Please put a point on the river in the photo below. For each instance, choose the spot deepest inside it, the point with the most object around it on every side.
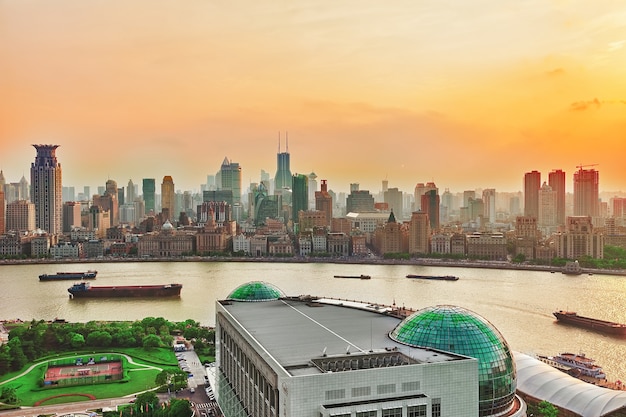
(518, 303)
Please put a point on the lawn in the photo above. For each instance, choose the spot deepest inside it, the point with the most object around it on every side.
(140, 378)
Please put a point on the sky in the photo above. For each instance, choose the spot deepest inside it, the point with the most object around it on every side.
(468, 94)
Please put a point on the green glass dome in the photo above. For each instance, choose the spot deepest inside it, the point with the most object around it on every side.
(256, 291)
(457, 330)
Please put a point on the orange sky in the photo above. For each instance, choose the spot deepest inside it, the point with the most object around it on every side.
(465, 94)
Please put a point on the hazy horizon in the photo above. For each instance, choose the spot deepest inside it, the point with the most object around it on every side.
(470, 95)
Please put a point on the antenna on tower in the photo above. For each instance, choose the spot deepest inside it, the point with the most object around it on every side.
(279, 142)
(287, 141)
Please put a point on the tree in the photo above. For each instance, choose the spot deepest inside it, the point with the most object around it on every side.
(9, 395)
(77, 340)
(19, 359)
(99, 338)
(180, 408)
(547, 409)
(151, 341)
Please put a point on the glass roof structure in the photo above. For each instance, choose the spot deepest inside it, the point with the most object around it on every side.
(455, 329)
(256, 291)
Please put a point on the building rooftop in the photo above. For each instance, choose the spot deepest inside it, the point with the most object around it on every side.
(307, 336)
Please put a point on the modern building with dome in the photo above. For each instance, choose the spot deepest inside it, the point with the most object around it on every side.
(305, 356)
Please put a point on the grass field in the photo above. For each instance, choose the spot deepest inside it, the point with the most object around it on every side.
(141, 378)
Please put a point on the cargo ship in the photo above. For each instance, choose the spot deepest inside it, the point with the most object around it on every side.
(570, 317)
(68, 275)
(85, 290)
(354, 276)
(439, 277)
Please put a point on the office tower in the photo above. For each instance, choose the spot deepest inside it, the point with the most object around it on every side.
(586, 192)
(420, 190)
(359, 201)
(532, 183)
(282, 179)
(130, 192)
(547, 209)
(121, 198)
(467, 196)
(101, 190)
(556, 180)
(354, 186)
(618, 208)
(430, 205)
(69, 194)
(148, 190)
(46, 189)
(312, 189)
(20, 216)
(111, 192)
(419, 232)
(324, 202)
(210, 183)
(385, 185)
(87, 192)
(393, 197)
(489, 205)
(168, 196)
(300, 195)
(71, 216)
(230, 174)
(2, 215)
(3, 181)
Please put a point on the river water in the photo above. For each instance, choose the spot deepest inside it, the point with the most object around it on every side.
(518, 303)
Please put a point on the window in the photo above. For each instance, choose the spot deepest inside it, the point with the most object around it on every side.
(370, 413)
(392, 412)
(416, 411)
(436, 407)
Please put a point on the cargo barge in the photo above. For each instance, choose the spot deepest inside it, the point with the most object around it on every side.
(570, 317)
(354, 276)
(437, 277)
(85, 290)
(68, 275)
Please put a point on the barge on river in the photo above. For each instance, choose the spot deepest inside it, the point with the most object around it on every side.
(436, 277)
(85, 290)
(68, 275)
(354, 276)
(604, 326)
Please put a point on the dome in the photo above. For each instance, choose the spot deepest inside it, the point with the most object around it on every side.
(256, 291)
(167, 226)
(461, 331)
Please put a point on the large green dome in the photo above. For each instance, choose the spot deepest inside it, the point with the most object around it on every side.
(455, 329)
(256, 291)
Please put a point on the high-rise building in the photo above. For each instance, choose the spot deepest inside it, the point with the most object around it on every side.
(312, 189)
(87, 192)
(282, 179)
(148, 190)
(111, 191)
(20, 216)
(467, 196)
(420, 190)
(47, 189)
(419, 232)
(300, 195)
(430, 205)
(556, 180)
(586, 192)
(547, 209)
(359, 201)
(393, 197)
(532, 183)
(168, 195)
(2, 215)
(71, 216)
(489, 204)
(324, 202)
(130, 192)
(230, 179)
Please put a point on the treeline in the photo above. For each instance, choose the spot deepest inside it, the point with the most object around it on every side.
(36, 339)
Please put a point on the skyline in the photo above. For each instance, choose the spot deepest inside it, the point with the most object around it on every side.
(470, 96)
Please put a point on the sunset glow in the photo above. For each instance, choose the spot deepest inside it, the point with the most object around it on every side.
(465, 94)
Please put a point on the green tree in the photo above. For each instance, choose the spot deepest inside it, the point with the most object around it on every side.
(180, 408)
(77, 340)
(99, 338)
(547, 409)
(151, 341)
(9, 395)
(19, 359)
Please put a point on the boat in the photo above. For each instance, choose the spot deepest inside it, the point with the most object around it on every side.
(86, 290)
(572, 268)
(354, 276)
(68, 275)
(578, 365)
(570, 317)
(438, 277)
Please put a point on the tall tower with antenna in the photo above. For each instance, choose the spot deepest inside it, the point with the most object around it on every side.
(282, 179)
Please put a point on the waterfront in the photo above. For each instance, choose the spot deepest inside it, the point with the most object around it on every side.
(518, 303)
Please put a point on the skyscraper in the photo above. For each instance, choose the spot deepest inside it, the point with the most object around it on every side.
(130, 192)
(430, 205)
(230, 174)
(489, 204)
(556, 180)
(393, 197)
(148, 190)
(586, 192)
(47, 189)
(300, 195)
(2, 215)
(324, 202)
(71, 216)
(168, 197)
(282, 179)
(547, 209)
(532, 183)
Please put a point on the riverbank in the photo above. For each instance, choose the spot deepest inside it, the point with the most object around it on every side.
(344, 260)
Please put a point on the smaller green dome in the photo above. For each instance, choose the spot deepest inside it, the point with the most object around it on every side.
(256, 291)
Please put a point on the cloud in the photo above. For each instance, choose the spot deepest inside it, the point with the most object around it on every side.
(593, 104)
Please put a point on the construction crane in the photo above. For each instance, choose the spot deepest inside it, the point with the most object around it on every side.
(581, 166)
